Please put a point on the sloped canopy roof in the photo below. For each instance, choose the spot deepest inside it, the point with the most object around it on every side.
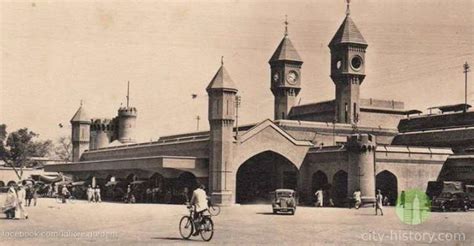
(285, 52)
(81, 116)
(347, 33)
(221, 80)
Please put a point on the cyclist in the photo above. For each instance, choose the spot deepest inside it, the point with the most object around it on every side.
(199, 200)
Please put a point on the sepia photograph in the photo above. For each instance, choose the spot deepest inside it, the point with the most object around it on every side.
(236, 122)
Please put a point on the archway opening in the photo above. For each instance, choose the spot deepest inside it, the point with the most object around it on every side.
(339, 190)
(387, 183)
(262, 174)
(2, 184)
(319, 180)
(11, 183)
(183, 188)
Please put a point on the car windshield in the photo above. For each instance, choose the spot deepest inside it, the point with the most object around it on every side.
(284, 194)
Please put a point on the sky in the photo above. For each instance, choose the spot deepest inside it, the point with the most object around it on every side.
(56, 53)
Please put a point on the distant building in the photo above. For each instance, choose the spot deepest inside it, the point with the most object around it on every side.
(340, 145)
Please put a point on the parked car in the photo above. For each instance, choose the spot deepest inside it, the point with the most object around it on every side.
(284, 200)
(449, 201)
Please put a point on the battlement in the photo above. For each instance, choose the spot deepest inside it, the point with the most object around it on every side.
(127, 111)
(361, 142)
(102, 125)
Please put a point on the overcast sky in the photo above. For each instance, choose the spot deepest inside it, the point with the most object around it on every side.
(56, 53)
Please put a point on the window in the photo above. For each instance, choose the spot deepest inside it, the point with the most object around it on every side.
(345, 112)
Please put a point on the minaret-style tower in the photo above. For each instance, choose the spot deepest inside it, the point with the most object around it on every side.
(80, 133)
(285, 77)
(347, 69)
(221, 115)
(127, 117)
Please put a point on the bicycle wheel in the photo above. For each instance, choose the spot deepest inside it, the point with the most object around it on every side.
(207, 230)
(214, 210)
(186, 227)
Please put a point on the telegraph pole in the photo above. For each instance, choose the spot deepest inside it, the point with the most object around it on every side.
(466, 70)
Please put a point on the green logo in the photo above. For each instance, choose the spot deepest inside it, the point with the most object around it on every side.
(413, 207)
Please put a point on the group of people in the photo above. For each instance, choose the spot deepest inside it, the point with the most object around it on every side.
(16, 201)
(93, 194)
(380, 200)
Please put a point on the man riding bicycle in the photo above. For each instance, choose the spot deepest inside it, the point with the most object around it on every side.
(199, 200)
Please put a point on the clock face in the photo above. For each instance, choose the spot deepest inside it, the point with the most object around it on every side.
(356, 62)
(292, 77)
(276, 77)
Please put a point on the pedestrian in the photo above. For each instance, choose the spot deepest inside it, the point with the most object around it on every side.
(148, 195)
(357, 198)
(97, 194)
(319, 198)
(35, 195)
(10, 203)
(20, 211)
(378, 203)
(29, 195)
(402, 199)
(90, 193)
(65, 193)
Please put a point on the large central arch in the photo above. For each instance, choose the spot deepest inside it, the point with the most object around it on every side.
(262, 174)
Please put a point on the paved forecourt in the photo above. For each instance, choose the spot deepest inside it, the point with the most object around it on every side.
(82, 223)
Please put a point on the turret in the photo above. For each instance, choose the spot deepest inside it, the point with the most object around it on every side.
(361, 175)
(221, 115)
(127, 117)
(347, 69)
(285, 76)
(80, 135)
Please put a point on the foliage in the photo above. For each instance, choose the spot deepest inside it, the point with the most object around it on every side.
(63, 149)
(19, 147)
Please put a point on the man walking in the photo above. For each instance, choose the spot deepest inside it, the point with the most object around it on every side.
(319, 198)
(378, 203)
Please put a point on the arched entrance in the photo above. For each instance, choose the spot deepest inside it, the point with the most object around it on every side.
(387, 183)
(2, 184)
(319, 181)
(262, 174)
(339, 188)
(11, 183)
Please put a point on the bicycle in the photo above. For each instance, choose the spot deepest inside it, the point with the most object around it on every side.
(189, 227)
(214, 210)
(70, 199)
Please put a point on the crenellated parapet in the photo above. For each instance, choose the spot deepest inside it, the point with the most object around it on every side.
(361, 143)
(127, 112)
(102, 133)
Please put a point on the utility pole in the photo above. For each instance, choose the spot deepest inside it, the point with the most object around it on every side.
(128, 94)
(237, 106)
(466, 70)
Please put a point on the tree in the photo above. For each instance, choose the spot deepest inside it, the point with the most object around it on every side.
(19, 147)
(63, 149)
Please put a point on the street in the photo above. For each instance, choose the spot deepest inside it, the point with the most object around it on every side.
(51, 223)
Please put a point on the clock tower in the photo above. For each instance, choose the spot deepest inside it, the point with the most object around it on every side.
(285, 76)
(347, 69)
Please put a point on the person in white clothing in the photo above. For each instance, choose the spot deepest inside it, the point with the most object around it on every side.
(199, 199)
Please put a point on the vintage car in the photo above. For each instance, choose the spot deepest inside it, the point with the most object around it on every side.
(284, 200)
(451, 201)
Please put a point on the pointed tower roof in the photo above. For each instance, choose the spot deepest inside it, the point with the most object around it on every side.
(221, 80)
(80, 116)
(285, 51)
(347, 33)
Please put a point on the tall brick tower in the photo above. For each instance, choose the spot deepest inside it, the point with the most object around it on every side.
(80, 136)
(221, 115)
(347, 69)
(285, 77)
